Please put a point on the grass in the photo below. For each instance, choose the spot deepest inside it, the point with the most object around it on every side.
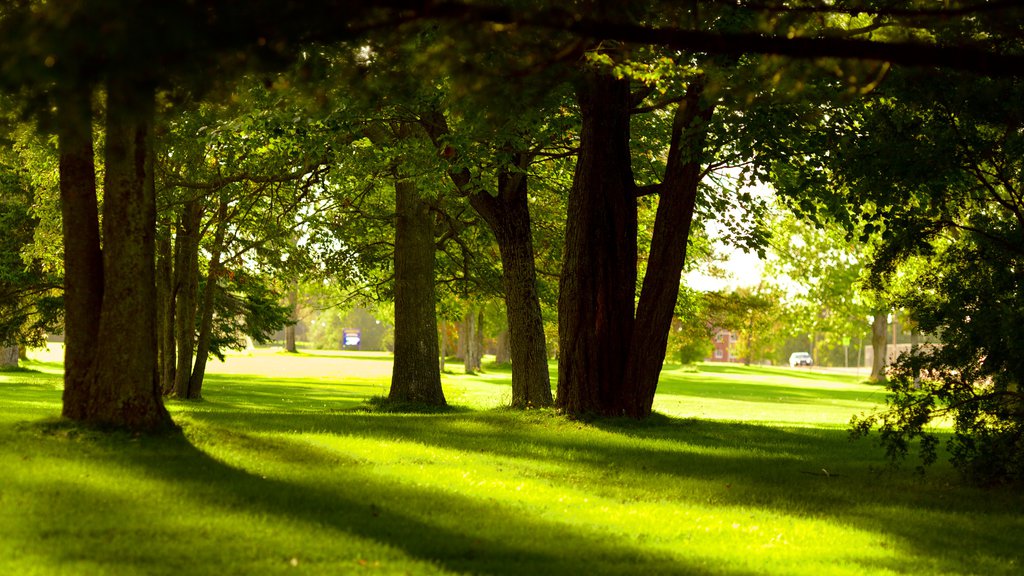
(283, 470)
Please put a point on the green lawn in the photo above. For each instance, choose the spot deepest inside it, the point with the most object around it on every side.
(282, 469)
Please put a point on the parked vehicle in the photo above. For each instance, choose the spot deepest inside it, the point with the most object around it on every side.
(800, 359)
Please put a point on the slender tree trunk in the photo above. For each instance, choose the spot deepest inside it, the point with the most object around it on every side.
(480, 323)
(83, 261)
(443, 329)
(415, 376)
(915, 341)
(216, 269)
(676, 204)
(462, 344)
(9, 356)
(878, 341)
(289, 330)
(22, 353)
(165, 309)
(469, 335)
(503, 355)
(186, 287)
(508, 216)
(123, 382)
(598, 283)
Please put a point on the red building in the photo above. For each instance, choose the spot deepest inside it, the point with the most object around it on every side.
(725, 346)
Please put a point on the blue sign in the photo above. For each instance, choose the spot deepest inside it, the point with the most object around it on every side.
(350, 337)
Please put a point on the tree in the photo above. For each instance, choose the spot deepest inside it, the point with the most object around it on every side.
(825, 269)
(235, 180)
(415, 376)
(956, 240)
(751, 313)
(30, 304)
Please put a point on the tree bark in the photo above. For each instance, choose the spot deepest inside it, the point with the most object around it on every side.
(442, 356)
(677, 200)
(415, 376)
(598, 283)
(878, 340)
(216, 269)
(471, 357)
(165, 296)
(83, 260)
(508, 216)
(289, 330)
(122, 387)
(9, 356)
(186, 287)
(503, 355)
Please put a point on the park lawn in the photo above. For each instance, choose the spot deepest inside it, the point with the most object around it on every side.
(284, 469)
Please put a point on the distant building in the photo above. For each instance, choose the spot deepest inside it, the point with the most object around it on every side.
(725, 346)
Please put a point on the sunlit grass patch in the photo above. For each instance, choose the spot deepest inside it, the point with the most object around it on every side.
(282, 472)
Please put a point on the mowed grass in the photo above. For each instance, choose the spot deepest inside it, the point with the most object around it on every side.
(283, 470)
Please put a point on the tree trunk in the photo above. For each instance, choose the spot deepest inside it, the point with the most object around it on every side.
(478, 359)
(677, 200)
(915, 342)
(469, 336)
(503, 355)
(166, 352)
(598, 283)
(508, 216)
(443, 329)
(122, 387)
(186, 284)
(878, 340)
(216, 269)
(9, 356)
(289, 330)
(415, 376)
(83, 260)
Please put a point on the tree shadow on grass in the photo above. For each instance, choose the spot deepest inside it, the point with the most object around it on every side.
(436, 527)
(797, 471)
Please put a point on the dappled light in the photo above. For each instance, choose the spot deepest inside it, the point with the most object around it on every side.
(271, 473)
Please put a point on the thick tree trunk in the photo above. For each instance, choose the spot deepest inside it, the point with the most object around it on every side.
(508, 216)
(677, 200)
(83, 261)
(415, 376)
(122, 385)
(598, 283)
(195, 383)
(9, 356)
(878, 346)
(289, 330)
(186, 287)
(165, 310)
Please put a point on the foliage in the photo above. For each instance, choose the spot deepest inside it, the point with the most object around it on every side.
(245, 307)
(821, 269)
(30, 301)
(950, 250)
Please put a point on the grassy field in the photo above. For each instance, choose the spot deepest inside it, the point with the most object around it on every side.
(283, 470)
